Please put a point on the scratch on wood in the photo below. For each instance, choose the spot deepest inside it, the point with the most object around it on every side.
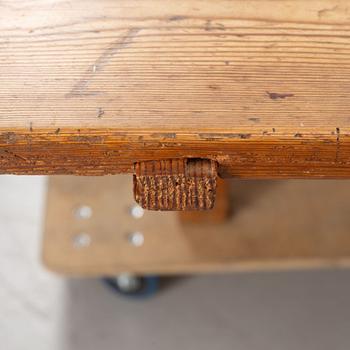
(80, 88)
(337, 151)
(176, 18)
(276, 96)
(326, 12)
(209, 26)
(100, 112)
(217, 136)
(14, 155)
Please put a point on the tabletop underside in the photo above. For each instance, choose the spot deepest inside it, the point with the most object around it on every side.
(90, 87)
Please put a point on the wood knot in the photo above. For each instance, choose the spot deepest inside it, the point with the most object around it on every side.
(175, 184)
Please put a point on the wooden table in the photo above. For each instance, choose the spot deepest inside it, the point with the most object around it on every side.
(92, 86)
(258, 89)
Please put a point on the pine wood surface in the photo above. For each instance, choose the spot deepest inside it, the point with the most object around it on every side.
(92, 86)
(273, 225)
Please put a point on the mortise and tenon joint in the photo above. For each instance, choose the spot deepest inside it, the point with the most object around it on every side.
(175, 184)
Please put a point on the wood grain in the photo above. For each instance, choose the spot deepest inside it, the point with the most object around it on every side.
(91, 87)
(275, 225)
(175, 184)
(217, 215)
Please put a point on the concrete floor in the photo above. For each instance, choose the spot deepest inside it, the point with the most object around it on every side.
(39, 310)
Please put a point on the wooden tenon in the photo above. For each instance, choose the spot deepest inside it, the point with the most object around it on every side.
(175, 184)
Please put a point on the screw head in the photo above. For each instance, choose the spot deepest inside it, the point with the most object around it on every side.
(137, 239)
(81, 240)
(83, 212)
(137, 212)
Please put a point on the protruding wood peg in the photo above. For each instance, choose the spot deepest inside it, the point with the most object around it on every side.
(175, 184)
(220, 213)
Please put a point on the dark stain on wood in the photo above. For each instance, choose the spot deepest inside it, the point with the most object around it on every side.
(8, 137)
(276, 96)
(86, 139)
(176, 18)
(166, 135)
(338, 134)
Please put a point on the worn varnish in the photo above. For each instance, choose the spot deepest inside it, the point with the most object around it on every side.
(91, 87)
(175, 184)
